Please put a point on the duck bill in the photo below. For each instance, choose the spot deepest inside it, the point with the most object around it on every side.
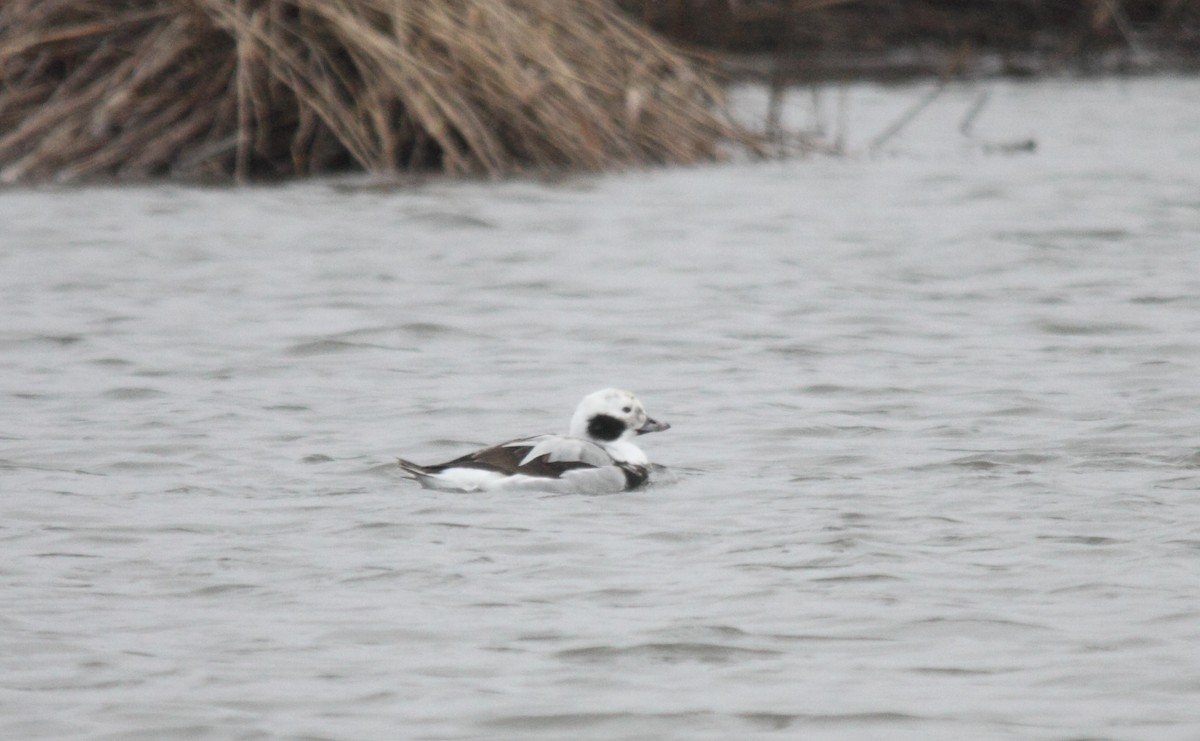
(653, 425)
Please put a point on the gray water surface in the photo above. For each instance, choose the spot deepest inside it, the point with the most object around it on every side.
(934, 470)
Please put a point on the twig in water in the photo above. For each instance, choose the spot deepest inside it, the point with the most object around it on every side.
(977, 106)
(898, 125)
(913, 111)
(775, 133)
(1121, 20)
(843, 121)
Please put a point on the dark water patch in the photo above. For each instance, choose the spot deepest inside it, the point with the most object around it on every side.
(614, 595)
(44, 340)
(1181, 483)
(1097, 458)
(974, 463)
(133, 393)
(672, 653)
(17, 466)
(845, 465)
(315, 458)
(376, 525)
(154, 373)
(722, 631)
(996, 460)
(1188, 617)
(150, 730)
(429, 330)
(568, 723)
(148, 466)
(78, 285)
(177, 449)
(878, 718)
(831, 431)
(768, 721)
(1159, 300)
(809, 478)
(1082, 539)
(1087, 329)
(936, 518)
(823, 389)
(822, 563)
(1026, 410)
(532, 287)
(851, 578)
(448, 442)
(676, 536)
(29, 396)
(379, 574)
(287, 408)
(1186, 460)
(452, 525)
(327, 347)
(424, 330)
(970, 626)
(668, 725)
(1107, 590)
(957, 671)
(451, 220)
(387, 636)
(215, 590)
(340, 491)
(1062, 237)
(540, 636)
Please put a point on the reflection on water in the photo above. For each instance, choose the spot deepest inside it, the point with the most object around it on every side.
(932, 473)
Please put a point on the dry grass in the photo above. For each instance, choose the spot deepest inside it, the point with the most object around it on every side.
(221, 89)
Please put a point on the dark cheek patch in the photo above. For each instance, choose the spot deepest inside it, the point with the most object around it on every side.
(604, 427)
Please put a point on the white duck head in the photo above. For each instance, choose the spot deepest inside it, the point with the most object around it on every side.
(612, 418)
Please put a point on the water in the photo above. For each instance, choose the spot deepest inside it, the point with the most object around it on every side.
(933, 473)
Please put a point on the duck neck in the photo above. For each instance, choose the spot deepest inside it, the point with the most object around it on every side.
(624, 451)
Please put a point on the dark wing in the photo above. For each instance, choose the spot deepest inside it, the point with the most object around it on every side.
(507, 459)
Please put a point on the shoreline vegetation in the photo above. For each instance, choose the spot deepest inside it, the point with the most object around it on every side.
(258, 89)
(242, 90)
(817, 40)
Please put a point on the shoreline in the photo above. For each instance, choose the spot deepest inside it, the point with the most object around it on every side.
(908, 64)
(812, 40)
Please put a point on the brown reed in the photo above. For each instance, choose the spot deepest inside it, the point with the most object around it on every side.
(219, 89)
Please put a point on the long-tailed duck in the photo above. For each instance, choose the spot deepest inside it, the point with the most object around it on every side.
(596, 456)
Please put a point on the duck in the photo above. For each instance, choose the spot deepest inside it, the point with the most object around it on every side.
(596, 456)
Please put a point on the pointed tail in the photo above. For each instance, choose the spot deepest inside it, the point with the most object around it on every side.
(414, 470)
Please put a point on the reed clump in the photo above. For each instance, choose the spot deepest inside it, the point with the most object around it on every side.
(219, 89)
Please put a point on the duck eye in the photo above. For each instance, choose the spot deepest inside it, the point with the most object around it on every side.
(627, 410)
